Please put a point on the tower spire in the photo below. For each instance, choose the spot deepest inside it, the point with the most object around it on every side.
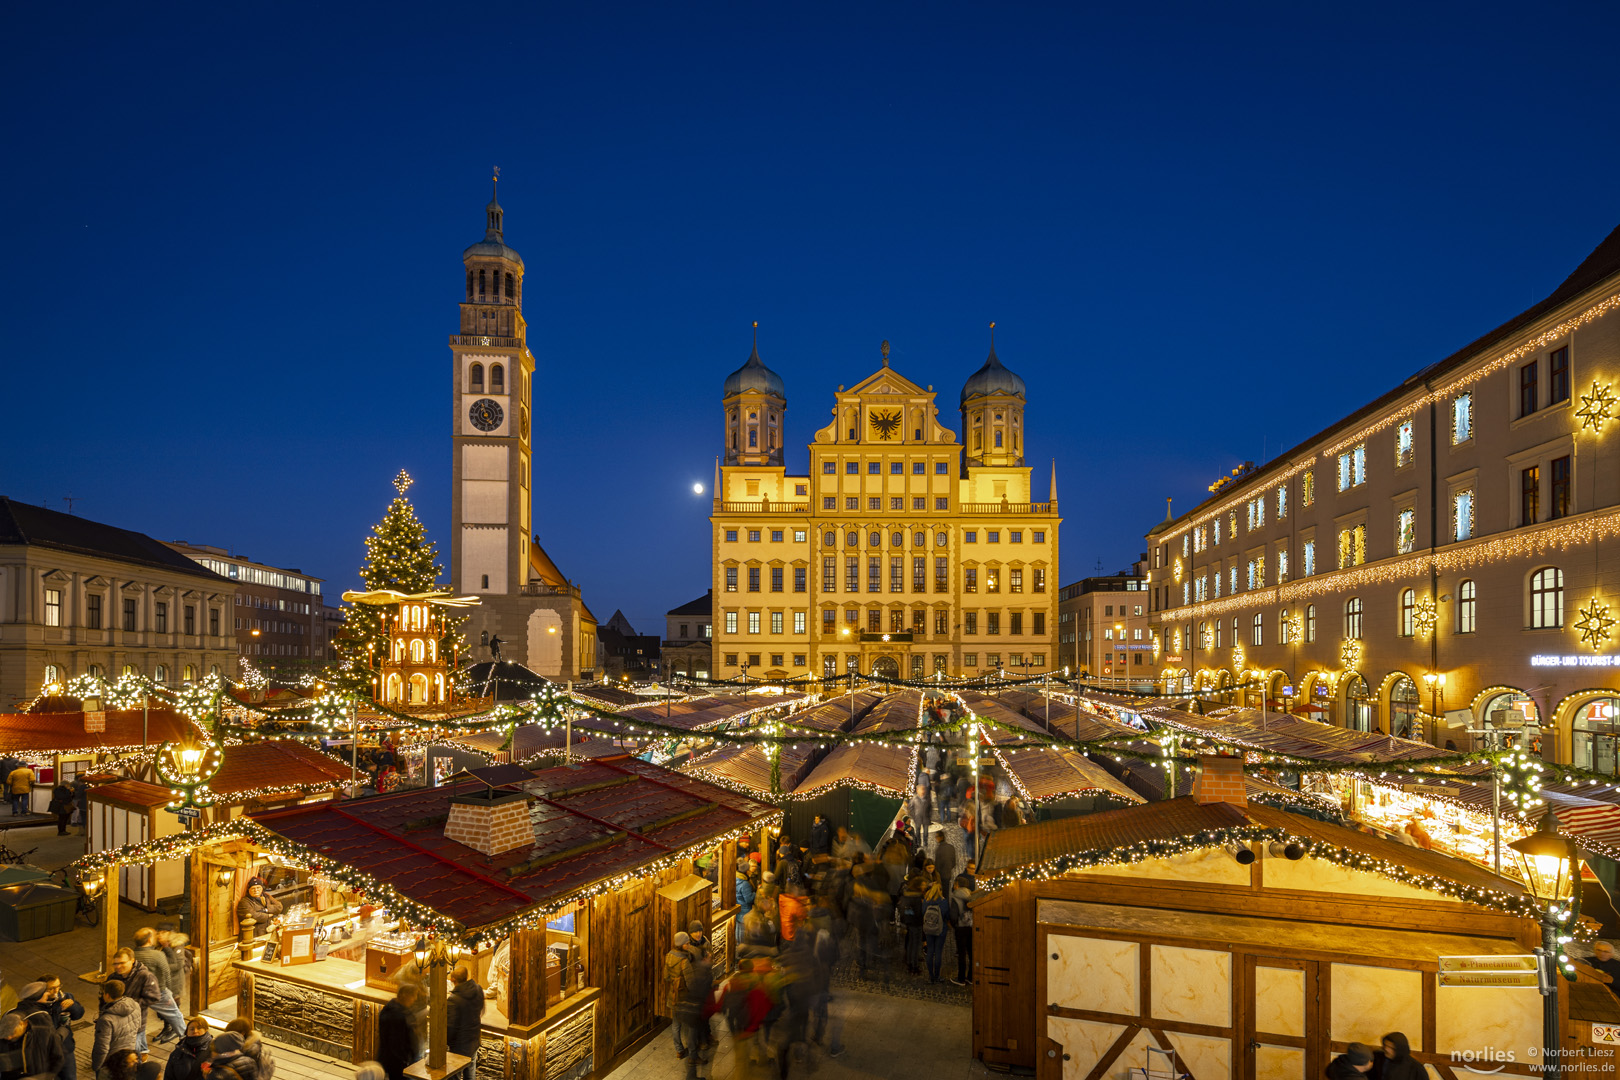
(1051, 493)
(1167, 508)
(494, 185)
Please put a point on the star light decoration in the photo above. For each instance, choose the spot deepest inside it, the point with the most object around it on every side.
(1596, 625)
(1238, 657)
(1425, 617)
(1350, 653)
(1597, 408)
(403, 481)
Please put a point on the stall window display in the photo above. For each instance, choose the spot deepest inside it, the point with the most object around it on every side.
(1594, 737)
(1499, 713)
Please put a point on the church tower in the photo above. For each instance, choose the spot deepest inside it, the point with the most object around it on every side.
(531, 611)
(993, 414)
(754, 402)
(492, 370)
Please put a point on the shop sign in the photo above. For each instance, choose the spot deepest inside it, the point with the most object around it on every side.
(1555, 660)
(1606, 1033)
(1172, 659)
(185, 813)
(1521, 970)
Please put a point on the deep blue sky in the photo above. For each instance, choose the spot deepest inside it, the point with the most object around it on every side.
(233, 242)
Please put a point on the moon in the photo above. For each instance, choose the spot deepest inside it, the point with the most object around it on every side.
(697, 489)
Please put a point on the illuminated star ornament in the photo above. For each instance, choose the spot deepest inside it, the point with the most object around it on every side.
(1597, 407)
(1596, 625)
(1425, 617)
(1350, 653)
(402, 481)
(1238, 657)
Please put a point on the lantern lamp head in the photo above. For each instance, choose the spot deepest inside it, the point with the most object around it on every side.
(1547, 859)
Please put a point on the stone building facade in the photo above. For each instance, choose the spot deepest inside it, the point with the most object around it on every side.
(902, 552)
(278, 618)
(1445, 557)
(79, 597)
(1105, 631)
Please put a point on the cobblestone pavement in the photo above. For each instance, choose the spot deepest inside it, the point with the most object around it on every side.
(889, 1037)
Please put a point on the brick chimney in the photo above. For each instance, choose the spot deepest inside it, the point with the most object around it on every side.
(492, 822)
(1220, 779)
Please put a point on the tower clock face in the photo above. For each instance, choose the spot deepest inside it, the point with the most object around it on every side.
(486, 415)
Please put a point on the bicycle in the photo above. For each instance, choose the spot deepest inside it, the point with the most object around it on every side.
(86, 908)
(14, 858)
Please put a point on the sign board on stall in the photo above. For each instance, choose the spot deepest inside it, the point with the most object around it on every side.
(1512, 970)
(1606, 1033)
(185, 813)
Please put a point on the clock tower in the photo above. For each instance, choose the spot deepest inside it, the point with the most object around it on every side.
(494, 551)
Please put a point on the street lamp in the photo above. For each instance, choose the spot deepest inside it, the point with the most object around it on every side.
(1437, 688)
(1547, 860)
(187, 766)
(843, 632)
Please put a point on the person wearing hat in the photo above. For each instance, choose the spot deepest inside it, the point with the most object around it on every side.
(697, 939)
(1353, 1064)
(677, 971)
(259, 904)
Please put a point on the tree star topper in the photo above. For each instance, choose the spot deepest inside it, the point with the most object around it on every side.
(1596, 625)
(403, 481)
(1597, 407)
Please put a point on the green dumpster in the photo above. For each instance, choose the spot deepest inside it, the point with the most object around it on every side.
(35, 911)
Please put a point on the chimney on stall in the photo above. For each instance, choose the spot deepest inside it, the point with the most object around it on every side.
(493, 821)
(1220, 779)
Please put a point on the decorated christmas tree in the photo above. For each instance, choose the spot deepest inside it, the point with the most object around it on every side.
(399, 556)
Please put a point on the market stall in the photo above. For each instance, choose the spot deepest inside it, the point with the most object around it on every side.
(552, 886)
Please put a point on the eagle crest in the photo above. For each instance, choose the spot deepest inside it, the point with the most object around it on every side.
(885, 424)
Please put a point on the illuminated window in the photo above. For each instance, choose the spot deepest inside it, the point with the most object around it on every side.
(1352, 618)
(1462, 418)
(1462, 514)
(1403, 444)
(1467, 606)
(1307, 488)
(1408, 611)
(1259, 629)
(1405, 531)
(1547, 598)
(1353, 468)
(53, 609)
(1310, 623)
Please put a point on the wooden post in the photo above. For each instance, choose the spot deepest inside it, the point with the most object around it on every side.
(109, 917)
(767, 856)
(202, 884)
(526, 980)
(728, 875)
(438, 1014)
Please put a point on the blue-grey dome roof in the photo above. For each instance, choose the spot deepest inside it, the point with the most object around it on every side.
(992, 378)
(754, 375)
(492, 246)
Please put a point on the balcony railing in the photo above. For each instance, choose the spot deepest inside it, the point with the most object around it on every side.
(540, 588)
(762, 507)
(488, 342)
(1007, 508)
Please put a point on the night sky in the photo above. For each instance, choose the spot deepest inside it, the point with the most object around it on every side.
(233, 242)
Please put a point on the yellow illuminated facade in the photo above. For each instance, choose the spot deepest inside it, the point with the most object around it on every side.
(902, 552)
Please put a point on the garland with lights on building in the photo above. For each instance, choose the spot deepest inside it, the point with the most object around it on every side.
(399, 556)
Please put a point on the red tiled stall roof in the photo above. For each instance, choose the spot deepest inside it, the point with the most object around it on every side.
(276, 763)
(55, 732)
(131, 793)
(592, 821)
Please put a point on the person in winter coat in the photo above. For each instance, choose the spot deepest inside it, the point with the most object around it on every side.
(29, 1045)
(1353, 1064)
(909, 913)
(264, 1063)
(765, 897)
(692, 1015)
(820, 837)
(962, 923)
(935, 923)
(173, 946)
(677, 971)
(157, 962)
(1398, 1063)
(230, 1060)
(745, 895)
(396, 1033)
(795, 908)
(187, 1057)
(20, 784)
(62, 807)
(259, 904)
(141, 986)
(47, 995)
(127, 1065)
(118, 1027)
(824, 954)
(465, 1017)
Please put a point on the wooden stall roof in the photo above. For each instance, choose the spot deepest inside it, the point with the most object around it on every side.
(137, 794)
(1180, 818)
(59, 732)
(276, 763)
(612, 696)
(1044, 772)
(592, 821)
(889, 768)
(751, 768)
(701, 712)
(1082, 724)
(1285, 734)
(592, 737)
(1291, 935)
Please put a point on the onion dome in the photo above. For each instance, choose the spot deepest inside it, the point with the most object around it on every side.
(492, 246)
(992, 378)
(754, 375)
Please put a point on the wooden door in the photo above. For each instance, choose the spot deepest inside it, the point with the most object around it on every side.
(635, 973)
(1280, 1028)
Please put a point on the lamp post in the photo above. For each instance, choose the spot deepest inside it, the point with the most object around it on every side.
(1547, 859)
(843, 632)
(1437, 689)
(432, 957)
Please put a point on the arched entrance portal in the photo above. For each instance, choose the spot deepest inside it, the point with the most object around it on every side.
(886, 667)
(1358, 707)
(1404, 706)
